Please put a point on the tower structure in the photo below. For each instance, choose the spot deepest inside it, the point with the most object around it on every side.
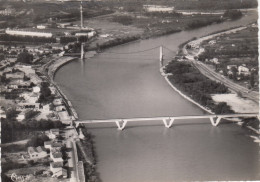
(82, 53)
(81, 16)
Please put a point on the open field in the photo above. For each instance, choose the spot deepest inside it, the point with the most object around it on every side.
(237, 104)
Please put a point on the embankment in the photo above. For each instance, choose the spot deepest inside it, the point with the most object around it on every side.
(52, 69)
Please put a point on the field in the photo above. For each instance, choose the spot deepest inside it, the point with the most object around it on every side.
(237, 104)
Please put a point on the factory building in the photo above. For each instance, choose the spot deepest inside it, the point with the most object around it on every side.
(32, 33)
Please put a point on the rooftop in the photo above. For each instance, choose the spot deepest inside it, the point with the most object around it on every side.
(57, 155)
(56, 164)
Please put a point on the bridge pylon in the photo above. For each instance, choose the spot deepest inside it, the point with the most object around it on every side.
(166, 124)
(215, 122)
(161, 56)
(119, 126)
(82, 53)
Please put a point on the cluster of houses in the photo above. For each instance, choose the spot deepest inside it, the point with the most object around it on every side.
(25, 84)
(54, 148)
(24, 89)
(241, 70)
(37, 51)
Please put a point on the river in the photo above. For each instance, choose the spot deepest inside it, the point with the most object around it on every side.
(112, 85)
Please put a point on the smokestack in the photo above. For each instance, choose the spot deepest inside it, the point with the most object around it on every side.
(81, 16)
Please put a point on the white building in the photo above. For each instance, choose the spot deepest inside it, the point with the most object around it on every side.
(243, 70)
(157, 8)
(36, 153)
(21, 116)
(60, 108)
(36, 89)
(47, 145)
(57, 170)
(2, 114)
(56, 156)
(16, 75)
(53, 133)
(88, 34)
(30, 97)
(57, 101)
(41, 26)
(18, 32)
(231, 66)
(7, 12)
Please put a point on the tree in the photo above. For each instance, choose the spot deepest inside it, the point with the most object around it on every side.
(37, 140)
(25, 57)
(222, 108)
(252, 79)
(232, 14)
(45, 96)
(234, 71)
(3, 79)
(30, 114)
(11, 113)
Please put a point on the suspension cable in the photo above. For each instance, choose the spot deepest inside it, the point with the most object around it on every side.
(133, 52)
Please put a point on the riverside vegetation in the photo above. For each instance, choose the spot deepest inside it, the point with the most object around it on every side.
(190, 81)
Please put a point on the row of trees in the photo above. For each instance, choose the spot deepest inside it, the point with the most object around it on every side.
(163, 14)
(189, 80)
(233, 14)
(202, 22)
(117, 41)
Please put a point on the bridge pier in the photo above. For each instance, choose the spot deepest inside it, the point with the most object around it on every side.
(77, 124)
(119, 127)
(215, 123)
(166, 124)
(258, 117)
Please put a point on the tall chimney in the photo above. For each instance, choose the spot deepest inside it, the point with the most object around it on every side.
(81, 16)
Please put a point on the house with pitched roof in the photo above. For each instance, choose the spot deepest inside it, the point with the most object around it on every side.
(37, 152)
(56, 156)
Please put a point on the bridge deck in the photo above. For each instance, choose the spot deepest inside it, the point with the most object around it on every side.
(170, 117)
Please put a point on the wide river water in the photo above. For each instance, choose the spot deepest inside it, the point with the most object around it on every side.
(112, 85)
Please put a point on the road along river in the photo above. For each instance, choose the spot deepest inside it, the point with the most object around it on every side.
(112, 85)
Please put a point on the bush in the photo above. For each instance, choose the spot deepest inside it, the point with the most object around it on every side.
(125, 20)
(197, 86)
(233, 14)
(30, 114)
(25, 57)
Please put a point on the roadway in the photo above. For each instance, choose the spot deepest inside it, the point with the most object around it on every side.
(72, 155)
(211, 74)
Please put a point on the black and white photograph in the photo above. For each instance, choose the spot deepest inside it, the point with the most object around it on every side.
(129, 90)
